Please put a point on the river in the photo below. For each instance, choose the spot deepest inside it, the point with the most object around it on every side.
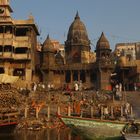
(48, 134)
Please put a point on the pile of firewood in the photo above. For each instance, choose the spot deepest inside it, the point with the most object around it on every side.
(9, 99)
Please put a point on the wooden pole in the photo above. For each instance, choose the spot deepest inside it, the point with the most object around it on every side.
(131, 111)
(69, 111)
(58, 136)
(37, 112)
(69, 135)
(102, 112)
(48, 112)
(91, 111)
(26, 112)
(113, 98)
(48, 134)
(121, 111)
(112, 112)
(58, 110)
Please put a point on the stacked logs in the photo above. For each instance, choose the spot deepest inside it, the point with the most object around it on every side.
(9, 99)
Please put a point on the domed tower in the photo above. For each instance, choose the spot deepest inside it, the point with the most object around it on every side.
(77, 45)
(103, 50)
(48, 61)
(104, 65)
(48, 52)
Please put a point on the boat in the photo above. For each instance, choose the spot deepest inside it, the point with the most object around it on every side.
(92, 128)
(131, 131)
(132, 137)
(8, 122)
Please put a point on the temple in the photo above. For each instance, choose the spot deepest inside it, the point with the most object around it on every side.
(76, 65)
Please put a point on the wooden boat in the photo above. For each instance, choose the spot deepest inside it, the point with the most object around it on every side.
(8, 122)
(132, 137)
(94, 128)
(131, 131)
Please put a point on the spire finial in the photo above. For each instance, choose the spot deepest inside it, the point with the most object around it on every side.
(102, 34)
(48, 37)
(77, 16)
(31, 16)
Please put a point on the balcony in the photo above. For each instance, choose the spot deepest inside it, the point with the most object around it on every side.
(22, 56)
(17, 44)
(7, 55)
(8, 41)
(1, 35)
(8, 36)
(19, 65)
(1, 41)
(128, 64)
(22, 38)
(22, 42)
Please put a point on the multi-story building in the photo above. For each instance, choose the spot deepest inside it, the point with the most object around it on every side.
(18, 43)
(128, 68)
(130, 50)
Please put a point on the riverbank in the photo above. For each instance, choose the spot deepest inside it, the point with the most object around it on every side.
(38, 109)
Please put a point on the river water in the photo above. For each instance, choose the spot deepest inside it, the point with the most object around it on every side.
(48, 134)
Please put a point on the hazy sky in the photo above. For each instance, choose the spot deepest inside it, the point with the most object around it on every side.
(118, 19)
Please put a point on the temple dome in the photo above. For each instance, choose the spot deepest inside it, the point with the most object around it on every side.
(48, 45)
(102, 43)
(77, 32)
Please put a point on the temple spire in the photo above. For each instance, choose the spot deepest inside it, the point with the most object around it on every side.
(48, 37)
(77, 16)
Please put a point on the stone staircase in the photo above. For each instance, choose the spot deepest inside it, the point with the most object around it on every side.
(134, 99)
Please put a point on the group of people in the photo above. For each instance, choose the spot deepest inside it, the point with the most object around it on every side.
(41, 86)
(76, 87)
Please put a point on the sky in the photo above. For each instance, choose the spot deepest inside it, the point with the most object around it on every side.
(118, 19)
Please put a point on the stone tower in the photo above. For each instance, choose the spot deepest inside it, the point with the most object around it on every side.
(5, 11)
(104, 64)
(48, 59)
(77, 45)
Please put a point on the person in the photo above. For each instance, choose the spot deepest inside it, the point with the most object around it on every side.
(135, 87)
(49, 86)
(43, 86)
(120, 87)
(34, 87)
(117, 87)
(80, 85)
(106, 113)
(118, 95)
(52, 86)
(127, 109)
(76, 87)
